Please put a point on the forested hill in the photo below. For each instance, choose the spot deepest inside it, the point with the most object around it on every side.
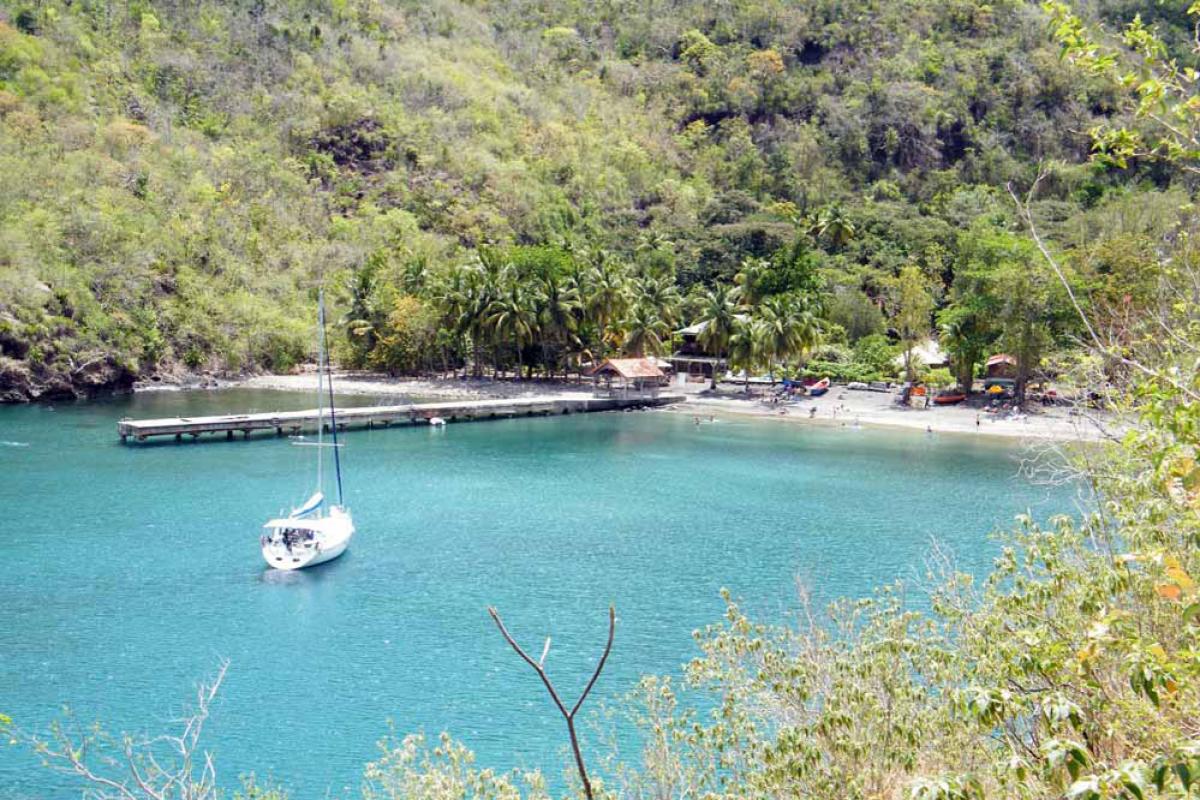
(177, 177)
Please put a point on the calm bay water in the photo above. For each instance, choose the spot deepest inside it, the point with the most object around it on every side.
(130, 571)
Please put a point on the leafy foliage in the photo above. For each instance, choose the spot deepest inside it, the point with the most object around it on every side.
(178, 181)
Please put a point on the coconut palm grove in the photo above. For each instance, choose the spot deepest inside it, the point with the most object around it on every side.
(986, 203)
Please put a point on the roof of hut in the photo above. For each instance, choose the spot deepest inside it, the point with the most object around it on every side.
(629, 368)
(928, 352)
(1001, 358)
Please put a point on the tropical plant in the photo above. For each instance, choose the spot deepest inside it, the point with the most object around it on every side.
(645, 331)
(718, 318)
(784, 329)
(913, 309)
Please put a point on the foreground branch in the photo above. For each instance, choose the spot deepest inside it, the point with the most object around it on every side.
(167, 767)
(539, 667)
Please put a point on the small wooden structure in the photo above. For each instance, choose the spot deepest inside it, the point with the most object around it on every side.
(1001, 365)
(694, 358)
(928, 353)
(627, 378)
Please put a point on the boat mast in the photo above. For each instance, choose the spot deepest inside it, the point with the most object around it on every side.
(320, 399)
(337, 462)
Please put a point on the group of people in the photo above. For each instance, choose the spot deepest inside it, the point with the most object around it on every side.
(291, 537)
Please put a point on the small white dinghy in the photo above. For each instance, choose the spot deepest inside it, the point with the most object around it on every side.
(313, 533)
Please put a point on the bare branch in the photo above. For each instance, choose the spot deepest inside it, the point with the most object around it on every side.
(569, 716)
(146, 776)
(612, 624)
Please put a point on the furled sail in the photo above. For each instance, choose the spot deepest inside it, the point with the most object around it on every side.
(310, 505)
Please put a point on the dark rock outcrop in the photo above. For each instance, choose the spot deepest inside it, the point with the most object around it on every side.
(20, 382)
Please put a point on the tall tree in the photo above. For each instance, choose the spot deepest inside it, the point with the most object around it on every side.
(645, 331)
(912, 309)
(965, 336)
(744, 352)
(718, 315)
(512, 317)
(784, 328)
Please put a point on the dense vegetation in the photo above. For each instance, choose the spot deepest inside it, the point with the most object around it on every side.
(1072, 670)
(517, 184)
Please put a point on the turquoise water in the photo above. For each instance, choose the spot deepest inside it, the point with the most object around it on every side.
(130, 570)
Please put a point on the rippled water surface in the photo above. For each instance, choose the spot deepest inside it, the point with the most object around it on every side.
(129, 571)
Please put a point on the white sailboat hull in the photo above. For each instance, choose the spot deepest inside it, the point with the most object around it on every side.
(295, 543)
(310, 535)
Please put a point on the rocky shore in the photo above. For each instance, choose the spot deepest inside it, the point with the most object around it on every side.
(22, 382)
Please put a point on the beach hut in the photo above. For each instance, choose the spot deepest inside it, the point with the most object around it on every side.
(1001, 365)
(627, 377)
(927, 353)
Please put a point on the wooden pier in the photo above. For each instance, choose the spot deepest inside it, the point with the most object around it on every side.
(283, 423)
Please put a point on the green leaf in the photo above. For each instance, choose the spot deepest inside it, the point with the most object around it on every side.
(1185, 776)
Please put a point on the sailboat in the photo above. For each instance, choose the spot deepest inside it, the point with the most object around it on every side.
(314, 532)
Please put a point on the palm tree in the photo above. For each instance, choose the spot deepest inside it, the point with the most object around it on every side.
(466, 296)
(746, 282)
(836, 225)
(361, 319)
(743, 348)
(663, 294)
(965, 337)
(645, 330)
(719, 317)
(609, 297)
(558, 302)
(785, 328)
(512, 316)
(450, 296)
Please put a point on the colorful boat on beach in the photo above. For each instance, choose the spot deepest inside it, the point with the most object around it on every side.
(819, 388)
(948, 398)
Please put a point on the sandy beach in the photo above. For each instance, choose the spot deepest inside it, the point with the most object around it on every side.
(844, 407)
(365, 383)
(841, 406)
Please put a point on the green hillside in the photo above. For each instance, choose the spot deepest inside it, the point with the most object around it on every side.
(178, 178)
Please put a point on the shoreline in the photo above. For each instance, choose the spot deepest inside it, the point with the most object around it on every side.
(841, 407)
(1044, 428)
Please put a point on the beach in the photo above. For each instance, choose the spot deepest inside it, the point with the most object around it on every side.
(848, 408)
(840, 407)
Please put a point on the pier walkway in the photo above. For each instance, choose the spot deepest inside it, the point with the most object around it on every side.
(283, 423)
